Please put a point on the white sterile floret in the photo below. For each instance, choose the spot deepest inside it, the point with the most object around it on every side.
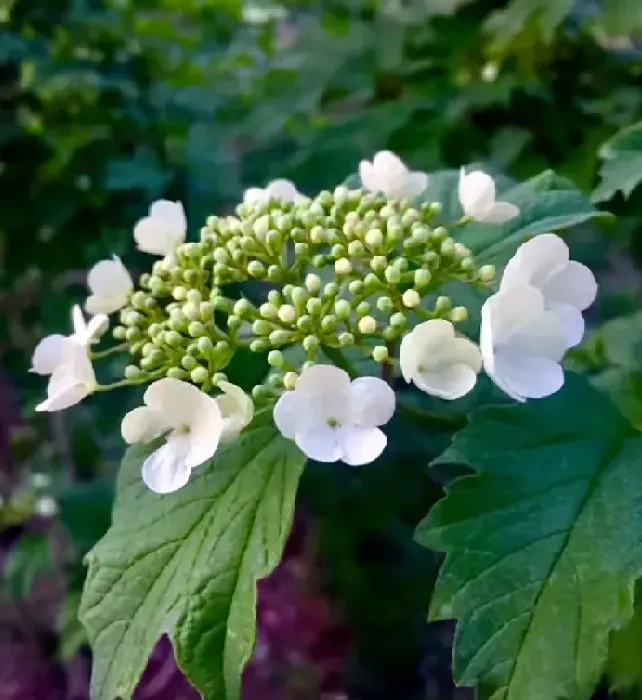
(568, 286)
(522, 343)
(110, 285)
(438, 361)
(477, 198)
(163, 230)
(193, 424)
(50, 351)
(388, 174)
(331, 418)
(282, 190)
(72, 378)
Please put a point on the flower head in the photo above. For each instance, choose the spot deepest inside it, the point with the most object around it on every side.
(477, 198)
(163, 229)
(193, 424)
(388, 174)
(439, 362)
(522, 343)
(282, 190)
(568, 286)
(331, 418)
(72, 376)
(110, 285)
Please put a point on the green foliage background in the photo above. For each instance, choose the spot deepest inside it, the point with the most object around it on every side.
(107, 105)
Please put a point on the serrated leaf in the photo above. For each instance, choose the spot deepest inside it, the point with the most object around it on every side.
(621, 168)
(187, 563)
(543, 545)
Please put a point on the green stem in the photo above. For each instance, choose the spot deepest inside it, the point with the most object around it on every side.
(110, 351)
(131, 382)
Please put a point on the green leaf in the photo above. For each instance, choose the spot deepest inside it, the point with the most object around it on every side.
(622, 164)
(543, 545)
(624, 668)
(187, 563)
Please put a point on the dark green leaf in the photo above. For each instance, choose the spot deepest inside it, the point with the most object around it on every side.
(622, 164)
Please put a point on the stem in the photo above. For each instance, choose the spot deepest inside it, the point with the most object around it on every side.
(110, 351)
(340, 360)
(387, 368)
(131, 382)
(442, 421)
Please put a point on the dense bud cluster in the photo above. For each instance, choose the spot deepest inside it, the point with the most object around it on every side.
(351, 269)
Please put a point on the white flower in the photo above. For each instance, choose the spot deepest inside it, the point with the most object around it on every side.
(163, 230)
(438, 361)
(388, 174)
(477, 198)
(110, 285)
(522, 343)
(193, 423)
(46, 507)
(72, 378)
(50, 351)
(331, 418)
(283, 190)
(568, 286)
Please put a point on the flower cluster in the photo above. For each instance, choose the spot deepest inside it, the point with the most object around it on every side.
(348, 268)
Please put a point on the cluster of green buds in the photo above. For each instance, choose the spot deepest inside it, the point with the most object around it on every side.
(347, 268)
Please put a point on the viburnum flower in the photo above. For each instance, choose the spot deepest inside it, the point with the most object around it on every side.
(193, 423)
(72, 376)
(163, 229)
(50, 351)
(388, 174)
(331, 418)
(568, 286)
(110, 285)
(283, 190)
(477, 198)
(522, 343)
(438, 361)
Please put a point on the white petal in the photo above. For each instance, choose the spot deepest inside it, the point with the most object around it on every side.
(95, 328)
(283, 190)
(408, 354)
(178, 402)
(368, 176)
(574, 284)
(205, 434)
(528, 377)
(322, 379)
(106, 304)
(502, 212)
(62, 396)
(255, 195)
(287, 412)
(389, 166)
(415, 184)
(372, 402)
(464, 351)
(237, 409)
(152, 237)
(109, 277)
(535, 261)
(360, 445)
(449, 383)
(319, 444)
(476, 193)
(48, 354)
(573, 322)
(172, 215)
(165, 471)
(78, 322)
(71, 381)
(142, 424)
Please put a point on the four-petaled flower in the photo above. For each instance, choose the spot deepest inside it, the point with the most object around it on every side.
(568, 286)
(388, 174)
(163, 230)
(193, 424)
(522, 343)
(282, 190)
(110, 285)
(72, 378)
(331, 418)
(477, 198)
(438, 361)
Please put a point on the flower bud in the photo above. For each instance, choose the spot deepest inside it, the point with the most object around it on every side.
(374, 239)
(189, 362)
(330, 290)
(313, 283)
(355, 287)
(179, 293)
(256, 269)
(221, 256)
(280, 337)
(133, 318)
(346, 339)
(204, 346)
(461, 251)
(393, 274)
(132, 334)
(390, 333)
(343, 309)
(196, 329)
(262, 327)
(234, 322)
(304, 323)
(299, 296)
(260, 345)
(199, 375)
(301, 250)
(319, 261)
(318, 235)
(367, 325)
(443, 304)
(133, 372)
(379, 263)
(314, 306)
(385, 304)
(242, 308)
(447, 247)
(206, 310)
(290, 379)
(261, 227)
(363, 308)
(157, 286)
(311, 344)
(435, 208)
(380, 353)
(328, 323)
(467, 264)
(487, 273)
(409, 217)
(119, 332)
(176, 373)
(410, 298)
(422, 278)
(275, 379)
(287, 314)
(343, 266)
(189, 311)
(356, 249)
(274, 240)
(459, 314)
(275, 359)
(398, 320)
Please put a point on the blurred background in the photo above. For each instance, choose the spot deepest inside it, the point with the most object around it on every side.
(107, 105)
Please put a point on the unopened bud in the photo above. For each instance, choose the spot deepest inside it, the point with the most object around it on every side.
(261, 227)
(176, 373)
(443, 304)
(204, 346)
(342, 309)
(385, 304)
(363, 308)
(313, 283)
(393, 274)
(262, 327)
(256, 269)
(374, 238)
(398, 320)
(487, 273)
(346, 339)
(290, 379)
(179, 293)
(287, 314)
(189, 311)
(380, 353)
(199, 375)
(189, 362)
(314, 306)
(356, 249)
(447, 247)
(330, 290)
(379, 263)
(411, 298)
(280, 337)
(260, 345)
(459, 314)
(133, 372)
(119, 332)
(196, 329)
(275, 359)
(234, 322)
(367, 325)
(311, 343)
(422, 278)
(328, 323)
(343, 266)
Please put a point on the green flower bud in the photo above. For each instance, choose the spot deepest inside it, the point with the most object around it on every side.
(191, 250)
(304, 323)
(199, 375)
(461, 251)
(431, 259)
(242, 308)
(280, 337)
(287, 290)
(194, 296)
(222, 256)
(206, 309)
(338, 251)
(311, 343)
(133, 318)
(346, 339)
(355, 287)
(192, 350)
(314, 306)
(119, 332)
(275, 359)
(343, 309)
(467, 264)
(179, 293)
(299, 296)
(487, 273)
(390, 333)
(363, 308)
(157, 286)
(409, 217)
(177, 320)
(422, 278)
(204, 346)
(328, 323)
(356, 249)
(319, 261)
(132, 334)
(447, 247)
(261, 327)
(313, 283)
(330, 290)
(274, 240)
(380, 353)
(176, 373)
(398, 320)
(459, 314)
(260, 393)
(371, 281)
(379, 263)
(148, 349)
(189, 362)
(435, 208)
(385, 304)
(274, 298)
(374, 239)
(301, 250)
(133, 372)
(274, 273)
(268, 311)
(256, 269)
(260, 345)
(318, 235)
(287, 314)
(343, 266)
(410, 298)
(443, 304)
(285, 223)
(190, 311)
(138, 299)
(367, 325)
(234, 322)
(196, 329)
(261, 227)
(290, 379)
(392, 274)
(275, 379)
(149, 362)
